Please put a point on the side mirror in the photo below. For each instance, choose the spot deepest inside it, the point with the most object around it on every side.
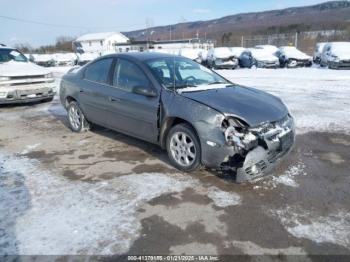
(144, 91)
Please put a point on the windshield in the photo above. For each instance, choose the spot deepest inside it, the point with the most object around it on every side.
(177, 72)
(7, 54)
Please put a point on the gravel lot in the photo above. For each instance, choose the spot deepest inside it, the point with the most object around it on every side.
(105, 193)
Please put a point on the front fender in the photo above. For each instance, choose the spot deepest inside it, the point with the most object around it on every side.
(205, 120)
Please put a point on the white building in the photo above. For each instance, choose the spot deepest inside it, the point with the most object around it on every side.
(164, 45)
(99, 42)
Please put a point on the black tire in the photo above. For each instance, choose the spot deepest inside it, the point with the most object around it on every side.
(290, 61)
(188, 130)
(83, 123)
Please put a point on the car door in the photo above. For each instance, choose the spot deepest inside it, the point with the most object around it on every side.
(133, 102)
(94, 90)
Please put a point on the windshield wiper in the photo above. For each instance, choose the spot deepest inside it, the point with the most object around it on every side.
(184, 86)
(217, 83)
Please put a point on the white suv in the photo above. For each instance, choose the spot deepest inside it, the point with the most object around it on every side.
(22, 81)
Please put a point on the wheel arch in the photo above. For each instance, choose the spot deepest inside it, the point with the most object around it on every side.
(168, 123)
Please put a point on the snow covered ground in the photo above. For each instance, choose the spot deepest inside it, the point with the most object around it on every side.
(319, 99)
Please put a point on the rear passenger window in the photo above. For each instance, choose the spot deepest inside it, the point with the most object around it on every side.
(98, 71)
(127, 76)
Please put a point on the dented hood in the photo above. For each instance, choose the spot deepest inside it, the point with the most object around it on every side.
(13, 68)
(249, 104)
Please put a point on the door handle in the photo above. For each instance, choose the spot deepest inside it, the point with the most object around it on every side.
(81, 91)
(113, 99)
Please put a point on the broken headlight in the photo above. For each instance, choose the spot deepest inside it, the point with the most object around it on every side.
(239, 136)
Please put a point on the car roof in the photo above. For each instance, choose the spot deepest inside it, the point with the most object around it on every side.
(6, 47)
(142, 56)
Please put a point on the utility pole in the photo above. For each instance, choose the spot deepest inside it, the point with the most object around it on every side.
(242, 41)
(170, 31)
(296, 40)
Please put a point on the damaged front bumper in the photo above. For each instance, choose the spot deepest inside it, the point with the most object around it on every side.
(255, 153)
(261, 160)
(275, 140)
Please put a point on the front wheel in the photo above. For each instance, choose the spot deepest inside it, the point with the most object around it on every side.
(76, 118)
(183, 148)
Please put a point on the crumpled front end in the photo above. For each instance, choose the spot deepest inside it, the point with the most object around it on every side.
(257, 150)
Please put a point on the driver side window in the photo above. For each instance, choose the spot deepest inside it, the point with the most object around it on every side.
(127, 76)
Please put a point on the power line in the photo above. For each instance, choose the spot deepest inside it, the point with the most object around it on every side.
(57, 25)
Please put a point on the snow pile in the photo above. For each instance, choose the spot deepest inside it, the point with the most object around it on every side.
(222, 198)
(333, 228)
(42, 213)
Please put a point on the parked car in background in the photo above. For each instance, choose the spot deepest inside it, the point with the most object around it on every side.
(193, 54)
(199, 117)
(221, 58)
(271, 49)
(318, 52)
(45, 60)
(291, 57)
(85, 58)
(336, 55)
(246, 59)
(237, 51)
(258, 58)
(65, 59)
(22, 81)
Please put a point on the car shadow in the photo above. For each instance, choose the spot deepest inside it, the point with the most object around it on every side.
(153, 150)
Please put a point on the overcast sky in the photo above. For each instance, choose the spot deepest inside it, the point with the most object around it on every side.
(82, 16)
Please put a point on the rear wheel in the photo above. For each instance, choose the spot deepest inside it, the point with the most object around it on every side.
(76, 118)
(183, 148)
(292, 63)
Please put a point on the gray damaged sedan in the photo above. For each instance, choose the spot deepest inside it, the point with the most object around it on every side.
(199, 117)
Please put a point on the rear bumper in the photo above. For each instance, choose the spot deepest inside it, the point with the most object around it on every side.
(268, 65)
(25, 94)
(226, 64)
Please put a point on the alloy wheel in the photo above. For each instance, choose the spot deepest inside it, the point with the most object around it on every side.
(182, 149)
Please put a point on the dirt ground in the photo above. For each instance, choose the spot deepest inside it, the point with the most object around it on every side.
(105, 193)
